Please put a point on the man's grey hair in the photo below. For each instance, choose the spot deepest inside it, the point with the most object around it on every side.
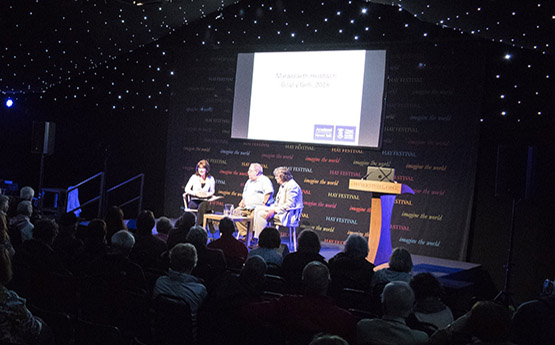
(123, 240)
(183, 257)
(284, 173)
(316, 277)
(397, 299)
(258, 168)
(27, 193)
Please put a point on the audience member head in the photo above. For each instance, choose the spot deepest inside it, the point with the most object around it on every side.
(356, 246)
(115, 218)
(198, 237)
(425, 286)
(25, 208)
(316, 277)
(68, 223)
(164, 225)
(5, 266)
(253, 271)
(269, 238)
(397, 299)
(4, 204)
(96, 232)
(46, 231)
(123, 242)
(203, 163)
(227, 228)
(308, 242)
(27, 193)
(183, 257)
(327, 339)
(145, 222)
(490, 322)
(282, 174)
(186, 221)
(400, 260)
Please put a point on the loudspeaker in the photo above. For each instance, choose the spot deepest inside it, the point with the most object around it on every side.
(44, 134)
(515, 167)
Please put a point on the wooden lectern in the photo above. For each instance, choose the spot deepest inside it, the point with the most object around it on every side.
(383, 199)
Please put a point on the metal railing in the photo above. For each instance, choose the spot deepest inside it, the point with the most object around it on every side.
(102, 194)
(98, 198)
(139, 197)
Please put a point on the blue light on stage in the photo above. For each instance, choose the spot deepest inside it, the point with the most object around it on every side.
(9, 103)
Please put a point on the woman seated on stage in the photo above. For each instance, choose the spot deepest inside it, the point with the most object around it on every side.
(200, 188)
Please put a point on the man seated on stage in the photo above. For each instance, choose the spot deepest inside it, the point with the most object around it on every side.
(289, 196)
(258, 191)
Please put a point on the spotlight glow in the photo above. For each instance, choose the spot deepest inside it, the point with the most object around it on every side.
(9, 103)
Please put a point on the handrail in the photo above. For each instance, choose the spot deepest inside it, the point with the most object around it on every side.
(102, 195)
(98, 197)
(85, 181)
(139, 197)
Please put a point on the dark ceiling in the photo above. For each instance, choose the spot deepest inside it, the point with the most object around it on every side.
(47, 42)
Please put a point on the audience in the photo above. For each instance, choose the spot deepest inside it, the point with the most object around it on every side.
(211, 262)
(114, 222)
(268, 244)
(235, 252)
(429, 308)
(179, 233)
(327, 339)
(66, 245)
(179, 282)
(224, 303)
(534, 321)
(37, 253)
(400, 266)
(490, 323)
(20, 225)
(308, 250)
(163, 227)
(148, 249)
(116, 267)
(4, 205)
(301, 317)
(237, 303)
(17, 324)
(25, 194)
(94, 245)
(349, 268)
(397, 302)
(4, 235)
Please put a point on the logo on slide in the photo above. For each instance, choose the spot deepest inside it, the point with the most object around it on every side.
(345, 133)
(323, 132)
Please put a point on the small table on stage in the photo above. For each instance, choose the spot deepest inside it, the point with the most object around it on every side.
(235, 219)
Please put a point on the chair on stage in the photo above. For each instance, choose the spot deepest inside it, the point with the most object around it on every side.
(186, 202)
(291, 221)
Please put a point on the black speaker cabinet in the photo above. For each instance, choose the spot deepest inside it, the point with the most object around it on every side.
(44, 134)
(515, 168)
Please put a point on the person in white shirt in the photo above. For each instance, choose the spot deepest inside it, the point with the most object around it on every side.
(200, 187)
(258, 191)
(289, 196)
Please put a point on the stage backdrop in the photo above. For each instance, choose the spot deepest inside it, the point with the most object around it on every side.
(430, 135)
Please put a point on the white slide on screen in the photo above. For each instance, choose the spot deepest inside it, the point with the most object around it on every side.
(311, 97)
